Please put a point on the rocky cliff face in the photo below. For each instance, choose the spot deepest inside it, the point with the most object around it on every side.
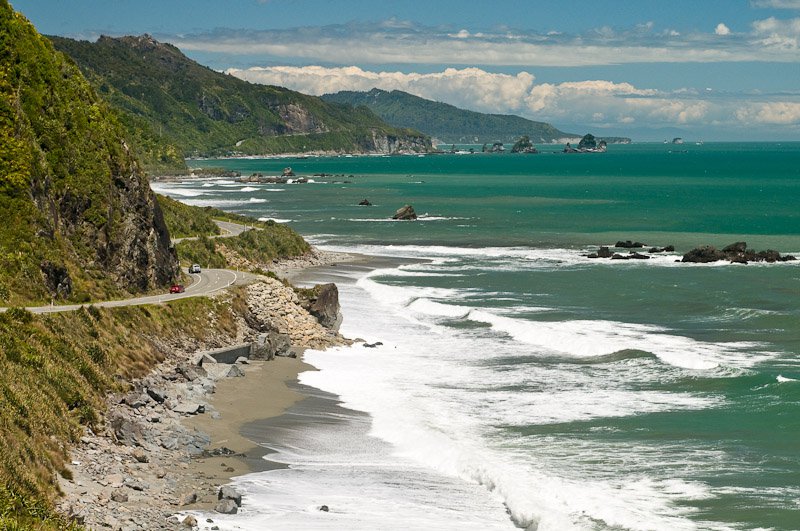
(79, 210)
(391, 144)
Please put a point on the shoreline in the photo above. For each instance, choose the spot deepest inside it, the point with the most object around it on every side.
(154, 461)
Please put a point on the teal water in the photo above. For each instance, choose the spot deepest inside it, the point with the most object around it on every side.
(595, 394)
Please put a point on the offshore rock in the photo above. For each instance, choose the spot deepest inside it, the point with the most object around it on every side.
(737, 253)
(405, 212)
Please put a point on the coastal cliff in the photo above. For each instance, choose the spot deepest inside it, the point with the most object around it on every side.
(80, 220)
(202, 112)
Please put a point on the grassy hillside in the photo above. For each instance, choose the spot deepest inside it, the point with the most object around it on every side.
(446, 122)
(203, 112)
(253, 249)
(54, 373)
(79, 219)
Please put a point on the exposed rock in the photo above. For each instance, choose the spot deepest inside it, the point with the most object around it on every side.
(269, 345)
(405, 212)
(737, 247)
(188, 499)
(627, 244)
(602, 252)
(126, 431)
(373, 345)
(234, 372)
(230, 493)
(56, 279)
(189, 408)
(140, 455)
(242, 360)
(735, 253)
(323, 508)
(324, 305)
(191, 372)
(364, 202)
(157, 394)
(189, 521)
(287, 172)
(119, 496)
(226, 506)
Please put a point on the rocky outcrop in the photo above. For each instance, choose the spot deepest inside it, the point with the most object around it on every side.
(735, 253)
(381, 142)
(405, 212)
(323, 303)
(279, 306)
(364, 202)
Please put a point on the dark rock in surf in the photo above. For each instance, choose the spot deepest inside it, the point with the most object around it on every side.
(628, 244)
(364, 202)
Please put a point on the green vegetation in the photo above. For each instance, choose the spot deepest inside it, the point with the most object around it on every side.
(446, 122)
(253, 249)
(185, 220)
(170, 100)
(69, 186)
(54, 373)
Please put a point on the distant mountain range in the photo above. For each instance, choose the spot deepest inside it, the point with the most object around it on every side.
(450, 124)
(174, 107)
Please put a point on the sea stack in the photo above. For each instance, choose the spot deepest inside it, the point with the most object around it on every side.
(405, 212)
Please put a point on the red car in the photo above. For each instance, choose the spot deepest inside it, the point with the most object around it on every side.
(177, 288)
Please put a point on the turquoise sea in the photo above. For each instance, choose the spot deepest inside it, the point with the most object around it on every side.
(522, 384)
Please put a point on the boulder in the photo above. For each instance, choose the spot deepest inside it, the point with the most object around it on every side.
(604, 252)
(364, 202)
(140, 455)
(703, 255)
(235, 372)
(324, 508)
(226, 506)
(191, 372)
(190, 521)
(288, 172)
(269, 345)
(404, 213)
(159, 395)
(126, 431)
(325, 306)
(189, 499)
(230, 493)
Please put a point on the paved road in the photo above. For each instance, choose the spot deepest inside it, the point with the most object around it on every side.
(205, 283)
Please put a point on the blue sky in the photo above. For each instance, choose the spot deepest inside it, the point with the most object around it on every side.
(704, 69)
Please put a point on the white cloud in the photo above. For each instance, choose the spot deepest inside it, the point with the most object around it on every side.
(402, 42)
(777, 4)
(774, 113)
(598, 102)
(778, 34)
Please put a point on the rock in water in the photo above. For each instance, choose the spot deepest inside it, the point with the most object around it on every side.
(406, 212)
(364, 202)
(229, 493)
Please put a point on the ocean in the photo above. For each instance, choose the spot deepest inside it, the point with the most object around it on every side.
(520, 383)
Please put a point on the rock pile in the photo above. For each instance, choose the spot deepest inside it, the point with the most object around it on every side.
(278, 305)
(735, 253)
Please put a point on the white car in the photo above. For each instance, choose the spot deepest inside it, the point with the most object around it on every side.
(194, 268)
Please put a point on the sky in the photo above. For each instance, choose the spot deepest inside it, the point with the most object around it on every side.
(647, 69)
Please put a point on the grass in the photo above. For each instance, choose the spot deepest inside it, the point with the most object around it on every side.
(55, 371)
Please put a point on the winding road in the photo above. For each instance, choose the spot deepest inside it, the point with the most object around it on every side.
(205, 283)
